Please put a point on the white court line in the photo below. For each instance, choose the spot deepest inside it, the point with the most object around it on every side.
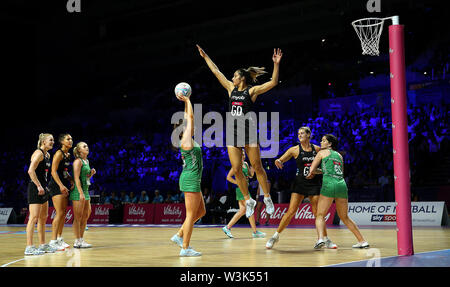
(5, 265)
(12, 262)
(333, 265)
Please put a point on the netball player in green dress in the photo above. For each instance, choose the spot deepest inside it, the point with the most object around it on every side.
(333, 188)
(249, 172)
(304, 154)
(190, 180)
(81, 200)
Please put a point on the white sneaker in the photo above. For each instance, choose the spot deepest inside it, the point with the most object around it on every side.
(56, 245)
(32, 250)
(319, 244)
(250, 207)
(77, 243)
(62, 243)
(177, 240)
(84, 244)
(364, 244)
(189, 252)
(227, 231)
(258, 234)
(46, 248)
(270, 209)
(271, 242)
(329, 244)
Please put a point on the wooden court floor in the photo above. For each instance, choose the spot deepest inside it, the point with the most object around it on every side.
(151, 247)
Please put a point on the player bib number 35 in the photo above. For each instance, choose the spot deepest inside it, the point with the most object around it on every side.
(338, 169)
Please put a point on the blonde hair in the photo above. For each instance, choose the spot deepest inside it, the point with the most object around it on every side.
(76, 151)
(42, 138)
(251, 73)
(307, 130)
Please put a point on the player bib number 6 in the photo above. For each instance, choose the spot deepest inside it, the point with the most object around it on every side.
(306, 171)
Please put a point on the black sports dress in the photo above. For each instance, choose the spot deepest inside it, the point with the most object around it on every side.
(63, 173)
(241, 120)
(307, 187)
(42, 171)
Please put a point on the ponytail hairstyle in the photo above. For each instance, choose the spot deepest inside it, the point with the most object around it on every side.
(76, 150)
(251, 73)
(333, 140)
(42, 138)
(61, 137)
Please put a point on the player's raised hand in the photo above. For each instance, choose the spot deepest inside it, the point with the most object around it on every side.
(200, 50)
(181, 97)
(277, 54)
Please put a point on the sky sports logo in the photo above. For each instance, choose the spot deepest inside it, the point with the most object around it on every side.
(384, 218)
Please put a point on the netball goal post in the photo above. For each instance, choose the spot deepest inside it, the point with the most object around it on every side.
(369, 32)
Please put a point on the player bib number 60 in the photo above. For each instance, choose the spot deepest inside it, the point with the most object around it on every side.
(236, 110)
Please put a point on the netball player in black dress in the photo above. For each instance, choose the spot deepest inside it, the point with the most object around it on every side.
(304, 154)
(38, 195)
(242, 94)
(59, 186)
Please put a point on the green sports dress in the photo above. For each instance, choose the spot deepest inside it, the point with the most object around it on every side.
(333, 184)
(85, 171)
(191, 176)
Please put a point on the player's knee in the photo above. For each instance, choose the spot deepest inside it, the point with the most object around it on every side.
(202, 212)
(290, 213)
(33, 219)
(238, 172)
(344, 217)
(314, 202)
(258, 167)
(77, 215)
(60, 213)
(58, 216)
(42, 218)
(320, 215)
(190, 216)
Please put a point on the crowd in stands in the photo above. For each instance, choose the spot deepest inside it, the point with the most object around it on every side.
(129, 166)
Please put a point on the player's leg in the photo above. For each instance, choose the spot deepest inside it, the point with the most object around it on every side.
(254, 154)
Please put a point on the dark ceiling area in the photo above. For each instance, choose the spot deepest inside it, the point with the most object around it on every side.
(56, 62)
